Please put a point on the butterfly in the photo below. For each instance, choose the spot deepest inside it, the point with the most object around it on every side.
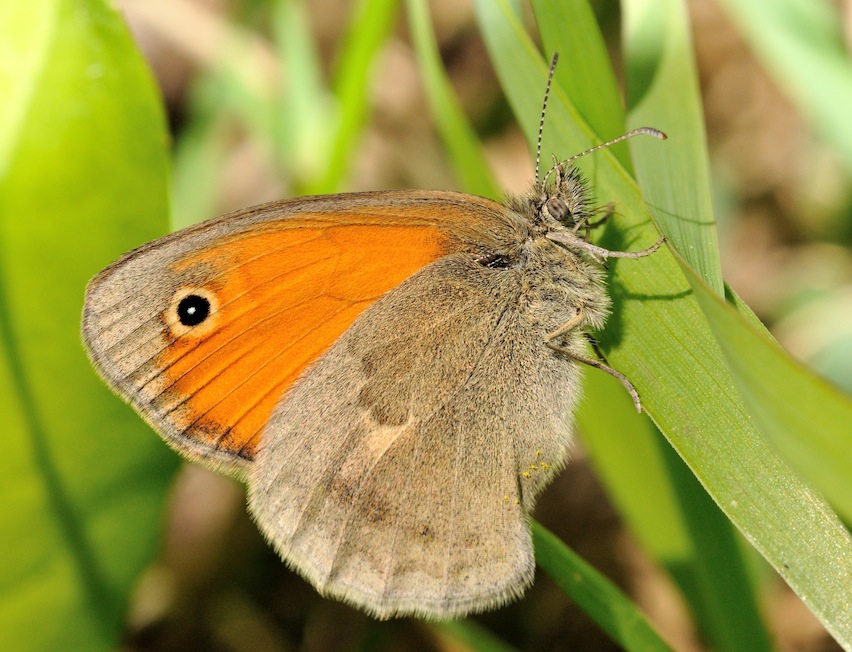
(393, 374)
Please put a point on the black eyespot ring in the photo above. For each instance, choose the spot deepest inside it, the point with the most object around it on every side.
(193, 310)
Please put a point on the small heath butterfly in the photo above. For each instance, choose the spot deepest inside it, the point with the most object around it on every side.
(393, 373)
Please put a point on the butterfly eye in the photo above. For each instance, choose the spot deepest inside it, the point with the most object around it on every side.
(193, 309)
(558, 210)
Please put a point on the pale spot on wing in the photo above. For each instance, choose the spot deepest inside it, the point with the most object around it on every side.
(381, 437)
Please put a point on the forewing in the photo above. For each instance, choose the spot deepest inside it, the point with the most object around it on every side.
(284, 280)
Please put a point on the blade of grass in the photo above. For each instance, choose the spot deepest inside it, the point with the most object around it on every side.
(663, 92)
(83, 479)
(470, 635)
(459, 138)
(585, 73)
(613, 611)
(804, 416)
(660, 339)
(673, 517)
(368, 30)
(789, 425)
(303, 116)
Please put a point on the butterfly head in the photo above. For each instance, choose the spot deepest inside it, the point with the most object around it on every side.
(562, 196)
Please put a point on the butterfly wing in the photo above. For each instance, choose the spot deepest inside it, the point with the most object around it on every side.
(421, 411)
(282, 281)
(399, 473)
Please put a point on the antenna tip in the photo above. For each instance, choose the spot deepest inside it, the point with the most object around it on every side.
(650, 131)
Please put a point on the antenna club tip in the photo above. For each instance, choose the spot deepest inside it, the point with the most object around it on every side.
(650, 131)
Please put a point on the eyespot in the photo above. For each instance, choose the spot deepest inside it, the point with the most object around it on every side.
(191, 311)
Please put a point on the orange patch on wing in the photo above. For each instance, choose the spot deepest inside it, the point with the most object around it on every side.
(285, 295)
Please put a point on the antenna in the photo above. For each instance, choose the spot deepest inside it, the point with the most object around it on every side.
(543, 109)
(650, 131)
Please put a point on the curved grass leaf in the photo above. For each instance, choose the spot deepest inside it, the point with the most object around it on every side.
(470, 635)
(606, 604)
(659, 337)
(803, 416)
(458, 136)
(672, 515)
(663, 92)
(585, 74)
(83, 480)
(302, 116)
(368, 30)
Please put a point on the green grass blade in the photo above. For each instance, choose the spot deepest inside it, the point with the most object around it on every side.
(584, 71)
(459, 138)
(801, 44)
(814, 447)
(659, 337)
(302, 115)
(672, 516)
(85, 178)
(470, 635)
(663, 92)
(613, 611)
(368, 30)
(805, 417)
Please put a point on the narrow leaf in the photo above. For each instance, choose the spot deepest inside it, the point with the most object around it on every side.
(663, 92)
(659, 337)
(803, 416)
(600, 599)
(85, 178)
(459, 138)
(368, 30)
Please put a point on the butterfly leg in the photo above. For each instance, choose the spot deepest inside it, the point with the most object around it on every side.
(587, 225)
(573, 241)
(576, 320)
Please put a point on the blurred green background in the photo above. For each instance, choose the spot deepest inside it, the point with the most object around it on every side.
(112, 136)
